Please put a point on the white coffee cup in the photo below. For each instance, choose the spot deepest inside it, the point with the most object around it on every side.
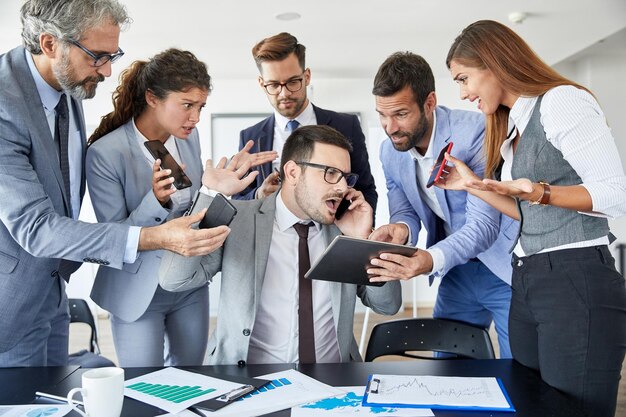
(102, 391)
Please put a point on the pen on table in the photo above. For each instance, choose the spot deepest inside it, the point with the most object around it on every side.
(55, 397)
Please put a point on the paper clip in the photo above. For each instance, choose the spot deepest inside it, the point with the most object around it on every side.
(236, 393)
(370, 386)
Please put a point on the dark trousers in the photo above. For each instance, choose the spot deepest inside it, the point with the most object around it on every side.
(568, 321)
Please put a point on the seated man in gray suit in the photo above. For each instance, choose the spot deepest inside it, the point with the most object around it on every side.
(267, 312)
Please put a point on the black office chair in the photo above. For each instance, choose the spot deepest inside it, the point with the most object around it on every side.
(81, 313)
(400, 337)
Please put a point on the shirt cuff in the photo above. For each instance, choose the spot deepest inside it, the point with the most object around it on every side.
(206, 191)
(408, 239)
(439, 262)
(132, 243)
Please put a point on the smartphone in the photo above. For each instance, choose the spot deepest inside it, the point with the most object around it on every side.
(343, 207)
(278, 172)
(439, 165)
(220, 213)
(159, 151)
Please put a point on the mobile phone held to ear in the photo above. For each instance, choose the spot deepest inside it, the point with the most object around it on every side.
(342, 208)
(159, 151)
(220, 213)
(440, 164)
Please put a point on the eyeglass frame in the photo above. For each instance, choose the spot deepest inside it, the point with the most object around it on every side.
(347, 175)
(110, 57)
(284, 85)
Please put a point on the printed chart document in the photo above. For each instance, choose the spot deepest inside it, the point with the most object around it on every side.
(286, 389)
(35, 410)
(174, 390)
(349, 404)
(439, 392)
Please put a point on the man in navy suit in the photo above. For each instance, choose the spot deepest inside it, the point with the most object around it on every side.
(284, 78)
(467, 240)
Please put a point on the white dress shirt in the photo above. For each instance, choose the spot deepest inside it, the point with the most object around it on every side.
(424, 165)
(274, 338)
(575, 125)
(306, 118)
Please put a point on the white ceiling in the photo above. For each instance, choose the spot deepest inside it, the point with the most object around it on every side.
(346, 38)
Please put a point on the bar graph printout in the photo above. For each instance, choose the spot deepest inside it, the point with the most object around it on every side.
(174, 390)
(438, 392)
(286, 389)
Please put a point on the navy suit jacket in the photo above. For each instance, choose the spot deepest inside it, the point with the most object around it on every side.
(262, 134)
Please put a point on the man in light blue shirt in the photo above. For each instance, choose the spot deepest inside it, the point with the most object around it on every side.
(467, 240)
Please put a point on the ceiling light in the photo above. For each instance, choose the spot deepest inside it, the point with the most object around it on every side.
(517, 17)
(288, 16)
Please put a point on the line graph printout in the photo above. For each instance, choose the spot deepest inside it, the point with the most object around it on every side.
(437, 392)
(174, 390)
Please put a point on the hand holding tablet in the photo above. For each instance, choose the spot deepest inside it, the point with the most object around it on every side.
(347, 260)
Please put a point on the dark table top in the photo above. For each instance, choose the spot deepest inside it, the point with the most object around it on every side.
(530, 396)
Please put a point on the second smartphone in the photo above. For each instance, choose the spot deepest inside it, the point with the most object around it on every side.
(159, 151)
(439, 165)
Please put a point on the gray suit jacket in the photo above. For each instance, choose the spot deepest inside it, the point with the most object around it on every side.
(120, 186)
(243, 260)
(35, 230)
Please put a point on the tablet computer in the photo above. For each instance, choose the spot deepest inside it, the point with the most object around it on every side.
(347, 259)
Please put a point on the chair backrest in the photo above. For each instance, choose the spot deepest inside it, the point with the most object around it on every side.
(398, 337)
(81, 313)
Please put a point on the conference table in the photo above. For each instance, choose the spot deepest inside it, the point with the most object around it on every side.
(530, 396)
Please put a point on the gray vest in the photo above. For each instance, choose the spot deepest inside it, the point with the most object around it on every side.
(543, 227)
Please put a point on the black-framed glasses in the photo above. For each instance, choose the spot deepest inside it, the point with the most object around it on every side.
(101, 59)
(333, 175)
(293, 85)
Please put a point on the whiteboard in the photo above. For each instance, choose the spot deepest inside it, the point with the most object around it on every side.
(225, 128)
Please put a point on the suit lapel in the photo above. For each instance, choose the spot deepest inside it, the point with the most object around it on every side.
(442, 138)
(263, 228)
(80, 120)
(37, 120)
(264, 142)
(336, 288)
(321, 116)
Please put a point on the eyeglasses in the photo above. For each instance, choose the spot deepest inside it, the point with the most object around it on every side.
(333, 175)
(99, 60)
(292, 85)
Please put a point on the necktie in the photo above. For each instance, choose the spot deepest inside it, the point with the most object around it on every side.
(292, 125)
(61, 131)
(306, 333)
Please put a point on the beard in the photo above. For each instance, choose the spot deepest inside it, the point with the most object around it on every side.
(306, 204)
(80, 90)
(295, 110)
(414, 137)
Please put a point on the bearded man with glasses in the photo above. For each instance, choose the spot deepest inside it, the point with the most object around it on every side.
(284, 78)
(69, 46)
